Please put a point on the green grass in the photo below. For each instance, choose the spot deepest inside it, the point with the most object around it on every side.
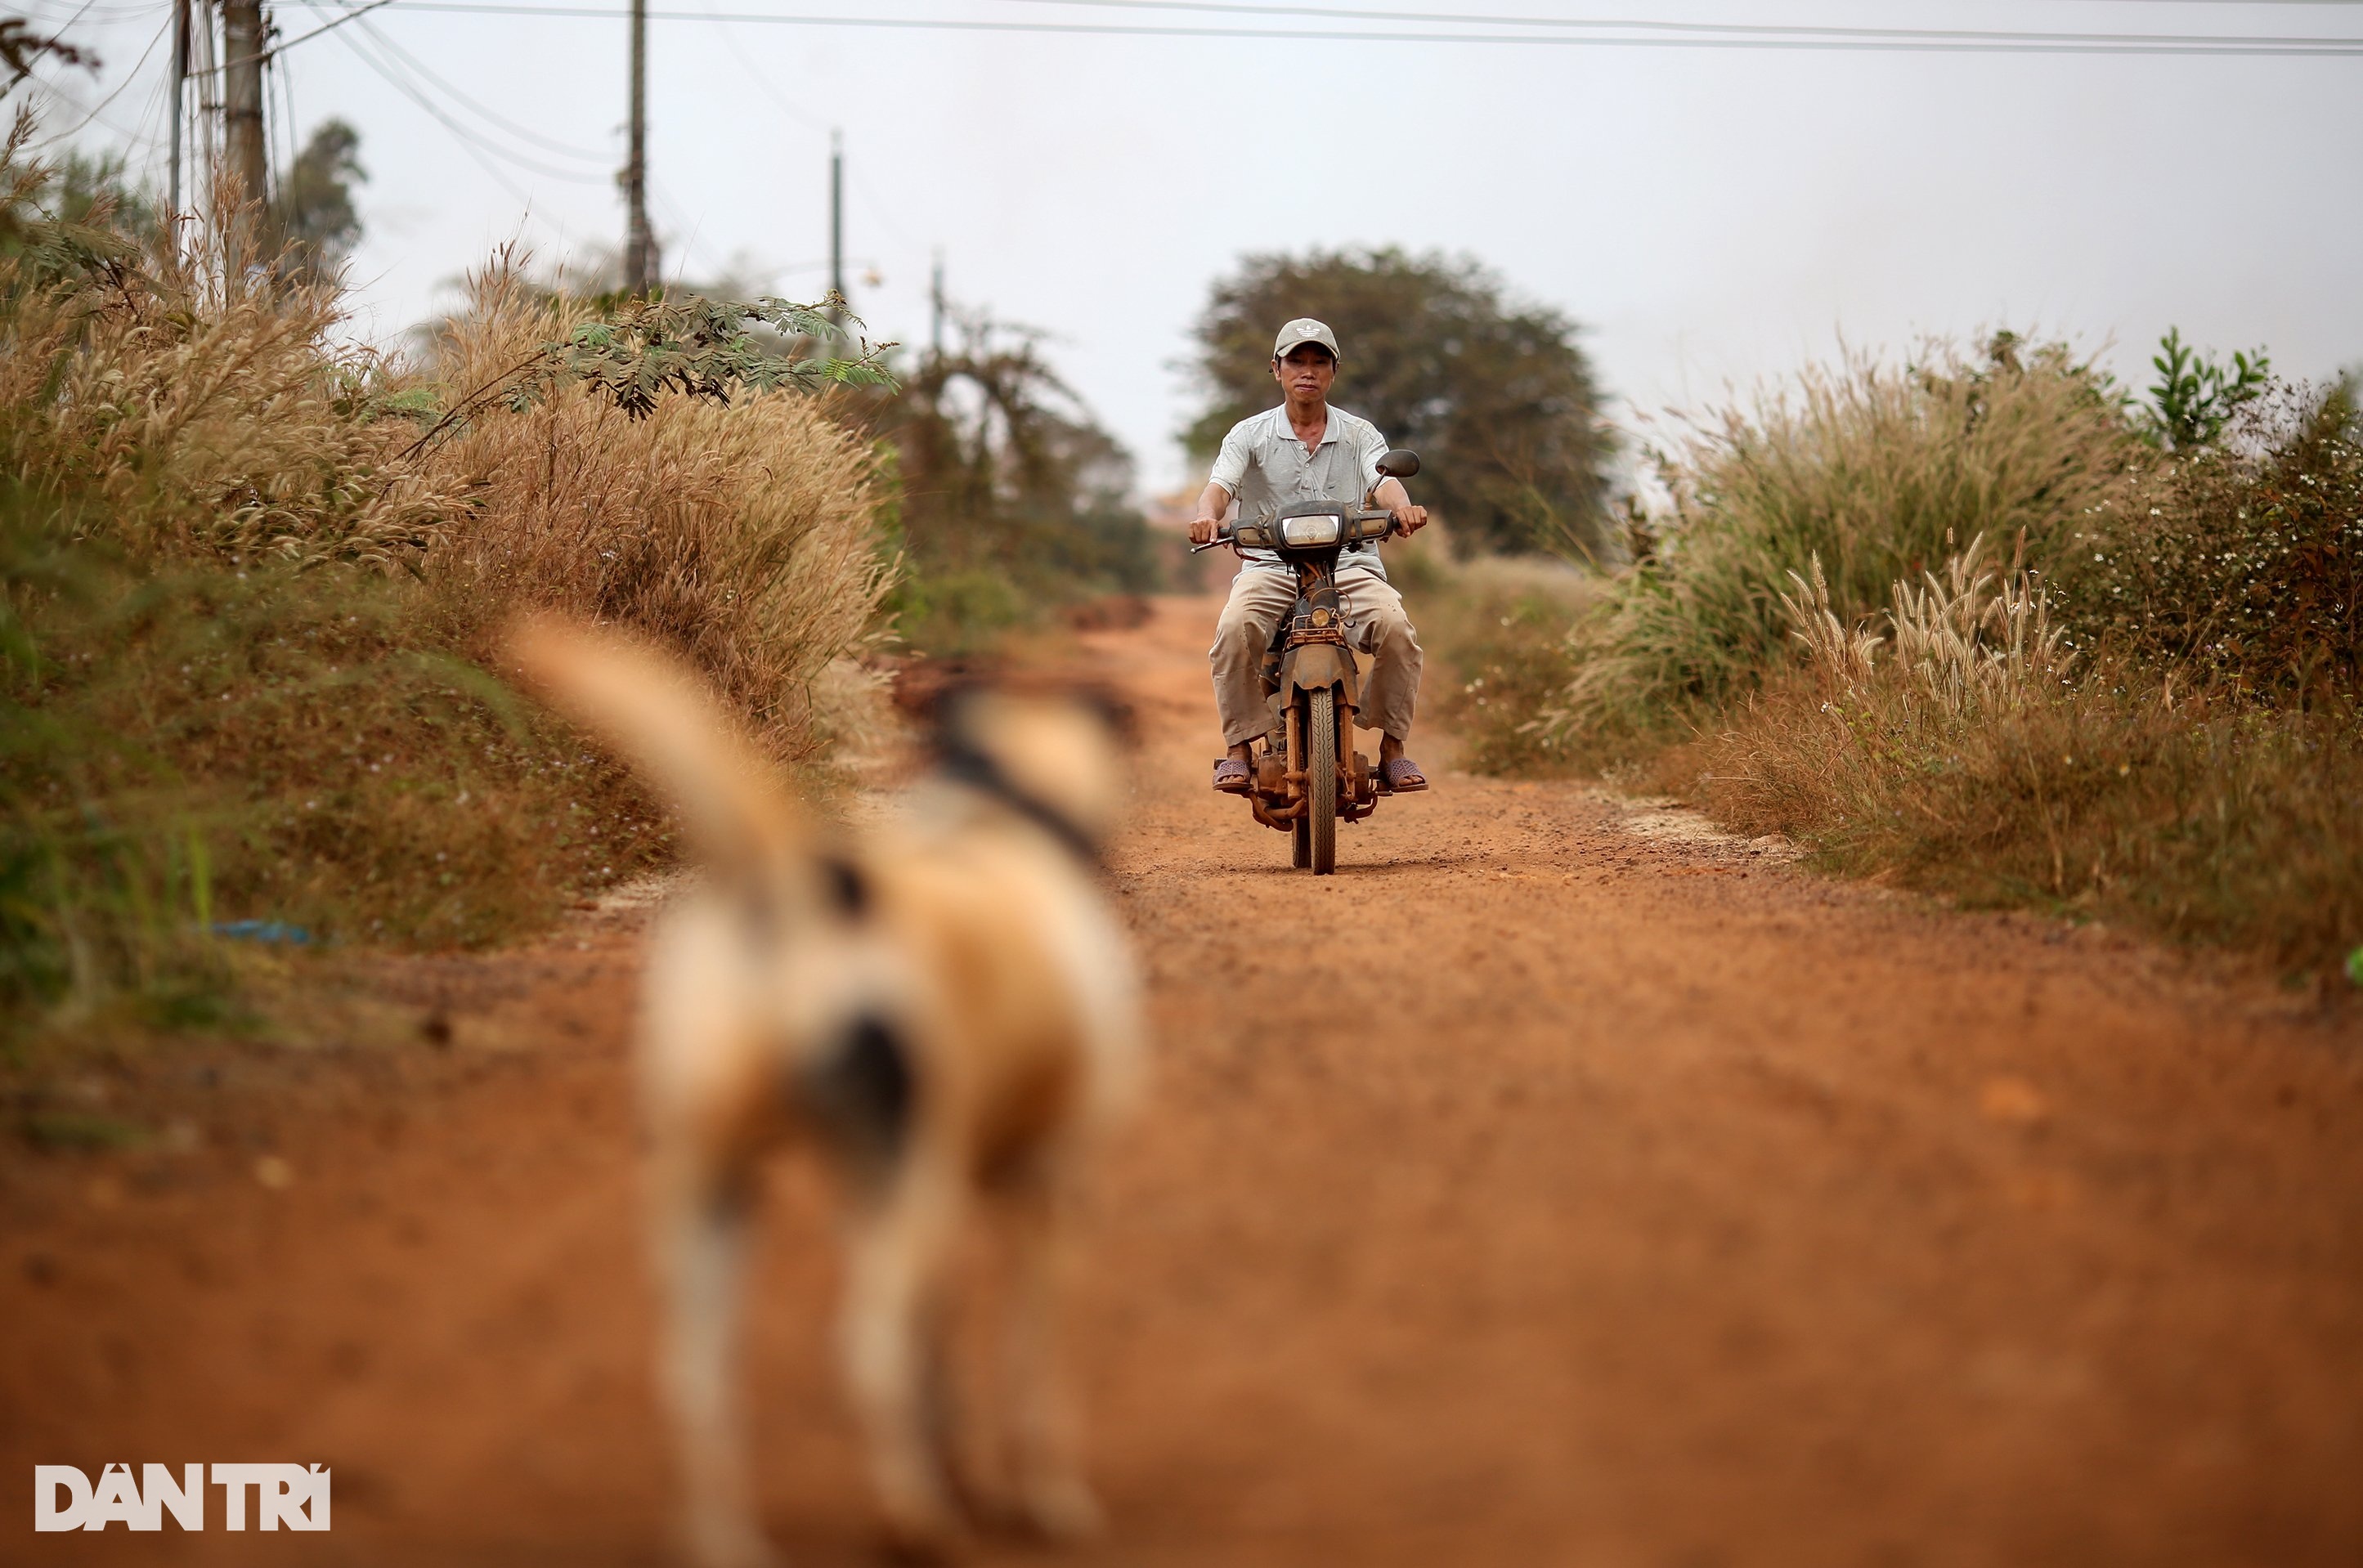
(1495, 631)
(1878, 471)
(2189, 769)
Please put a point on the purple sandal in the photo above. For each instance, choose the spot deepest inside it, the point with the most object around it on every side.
(1402, 777)
(1231, 776)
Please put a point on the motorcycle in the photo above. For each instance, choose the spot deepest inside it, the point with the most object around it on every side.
(1306, 777)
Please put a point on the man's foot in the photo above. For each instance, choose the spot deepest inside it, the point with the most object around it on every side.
(1232, 776)
(1402, 776)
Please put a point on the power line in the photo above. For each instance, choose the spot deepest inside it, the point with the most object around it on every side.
(2001, 43)
(521, 132)
(466, 139)
(278, 68)
(392, 69)
(353, 16)
(787, 106)
(96, 110)
(93, 13)
(1768, 29)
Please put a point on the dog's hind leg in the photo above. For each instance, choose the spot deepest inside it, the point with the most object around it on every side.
(901, 1248)
(1052, 1495)
(701, 1241)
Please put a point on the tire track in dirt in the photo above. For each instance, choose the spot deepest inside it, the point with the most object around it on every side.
(1583, 1194)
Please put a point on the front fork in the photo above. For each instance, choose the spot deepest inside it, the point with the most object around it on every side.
(1280, 797)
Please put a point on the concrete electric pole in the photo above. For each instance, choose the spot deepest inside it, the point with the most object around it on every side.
(936, 308)
(639, 244)
(242, 100)
(180, 79)
(837, 225)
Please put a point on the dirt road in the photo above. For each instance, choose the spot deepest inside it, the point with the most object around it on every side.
(1604, 1195)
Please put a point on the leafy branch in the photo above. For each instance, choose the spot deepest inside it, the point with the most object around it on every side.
(2195, 397)
(21, 48)
(699, 347)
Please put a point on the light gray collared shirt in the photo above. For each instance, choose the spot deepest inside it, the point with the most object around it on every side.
(1266, 468)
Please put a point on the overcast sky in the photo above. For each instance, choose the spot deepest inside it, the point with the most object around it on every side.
(1710, 217)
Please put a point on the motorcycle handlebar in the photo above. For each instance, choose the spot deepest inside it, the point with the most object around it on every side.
(1226, 534)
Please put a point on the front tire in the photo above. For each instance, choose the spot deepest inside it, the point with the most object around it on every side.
(1319, 823)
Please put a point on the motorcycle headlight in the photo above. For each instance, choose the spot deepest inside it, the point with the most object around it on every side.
(1323, 529)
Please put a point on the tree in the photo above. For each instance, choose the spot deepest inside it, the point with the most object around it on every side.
(1003, 471)
(316, 208)
(1494, 393)
(21, 48)
(2195, 397)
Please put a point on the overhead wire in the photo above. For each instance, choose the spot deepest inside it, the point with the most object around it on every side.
(148, 137)
(466, 139)
(96, 110)
(461, 97)
(286, 124)
(354, 14)
(78, 12)
(2223, 44)
(35, 12)
(479, 148)
(1766, 30)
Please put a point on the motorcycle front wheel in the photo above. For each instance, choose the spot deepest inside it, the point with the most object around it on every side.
(1317, 829)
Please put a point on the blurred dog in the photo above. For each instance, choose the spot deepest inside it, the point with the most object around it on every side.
(945, 1011)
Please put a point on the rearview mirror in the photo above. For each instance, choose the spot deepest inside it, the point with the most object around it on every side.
(1399, 463)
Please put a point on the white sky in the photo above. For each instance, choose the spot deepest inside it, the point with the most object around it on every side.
(1710, 217)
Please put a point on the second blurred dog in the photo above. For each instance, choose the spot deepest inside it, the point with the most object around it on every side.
(944, 1011)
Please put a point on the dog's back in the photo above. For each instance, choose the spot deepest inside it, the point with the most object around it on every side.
(946, 1008)
(995, 870)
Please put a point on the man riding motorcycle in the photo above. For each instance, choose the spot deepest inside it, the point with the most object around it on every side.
(1306, 450)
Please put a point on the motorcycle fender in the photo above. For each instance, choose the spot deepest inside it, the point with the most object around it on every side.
(1316, 665)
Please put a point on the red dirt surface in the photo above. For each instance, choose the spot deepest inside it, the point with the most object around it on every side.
(1585, 1193)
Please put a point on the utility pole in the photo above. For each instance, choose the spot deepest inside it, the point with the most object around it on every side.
(242, 100)
(639, 244)
(837, 223)
(180, 79)
(936, 313)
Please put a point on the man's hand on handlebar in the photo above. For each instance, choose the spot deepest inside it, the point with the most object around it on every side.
(1203, 530)
(1409, 519)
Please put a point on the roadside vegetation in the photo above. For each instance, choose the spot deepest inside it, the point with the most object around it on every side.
(1494, 628)
(1009, 500)
(252, 579)
(1985, 624)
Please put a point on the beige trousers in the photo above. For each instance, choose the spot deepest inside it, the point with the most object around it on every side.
(1262, 598)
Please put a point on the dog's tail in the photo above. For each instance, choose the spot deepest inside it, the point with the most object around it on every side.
(663, 720)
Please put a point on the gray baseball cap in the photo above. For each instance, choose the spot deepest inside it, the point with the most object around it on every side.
(1304, 330)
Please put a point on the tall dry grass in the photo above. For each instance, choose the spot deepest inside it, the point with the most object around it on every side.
(2154, 714)
(1874, 470)
(743, 534)
(248, 614)
(1968, 761)
(189, 402)
(1495, 631)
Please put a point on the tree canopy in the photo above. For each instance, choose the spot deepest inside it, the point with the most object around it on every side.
(316, 208)
(1010, 490)
(1492, 393)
